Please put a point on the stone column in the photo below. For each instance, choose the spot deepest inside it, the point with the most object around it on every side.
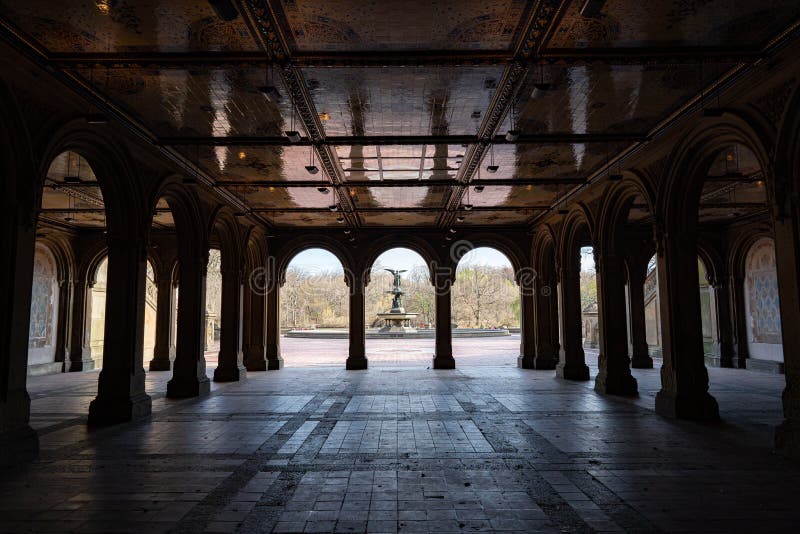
(546, 318)
(255, 344)
(357, 358)
(572, 363)
(787, 256)
(443, 357)
(640, 352)
(527, 320)
(722, 350)
(230, 367)
(274, 360)
(120, 390)
(164, 349)
(17, 438)
(189, 368)
(740, 349)
(80, 351)
(614, 374)
(684, 378)
(63, 326)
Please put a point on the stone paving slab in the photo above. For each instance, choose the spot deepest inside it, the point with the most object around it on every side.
(406, 449)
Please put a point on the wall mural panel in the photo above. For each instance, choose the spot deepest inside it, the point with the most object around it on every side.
(763, 304)
(44, 297)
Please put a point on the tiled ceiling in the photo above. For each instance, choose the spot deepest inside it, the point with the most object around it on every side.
(401, 107)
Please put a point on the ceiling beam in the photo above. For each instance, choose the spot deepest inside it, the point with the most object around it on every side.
(400, 183)
(420, 209)
(548, 138)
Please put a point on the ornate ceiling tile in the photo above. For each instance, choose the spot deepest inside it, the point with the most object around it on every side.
(398, 197)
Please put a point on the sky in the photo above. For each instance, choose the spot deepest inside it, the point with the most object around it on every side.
(317, 259)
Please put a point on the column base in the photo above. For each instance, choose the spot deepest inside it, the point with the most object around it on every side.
(18, 445)
(356, 364)
(526, 362)
(81, 365)
(230, 373)
(254, 358)
(275, 364)
(641, 361)
(105, 410)
(699, 407)
(193, 387)
(620, 384)
(573, 371)
(445, 362)
(787, 438)
(545, 363)
(160, 364)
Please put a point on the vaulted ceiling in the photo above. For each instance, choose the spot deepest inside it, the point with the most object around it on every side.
(403, 107)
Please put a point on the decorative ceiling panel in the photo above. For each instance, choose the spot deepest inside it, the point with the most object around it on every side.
(547, 161)
(399, 197)
(402, 100)
(282, 197)
(400, 162)
(128, 26)
(273, 163)
(304, 219)
(513, 195)
(405, 218)
(488, 217)
(675, 23)
(347, 25)
(624, 99)
(213, 102)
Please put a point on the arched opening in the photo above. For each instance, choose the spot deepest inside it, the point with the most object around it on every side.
(213, 316)
(400, 332)
(97, 317)
(590, 333)
(762, 308)
(150, 312)
(44, 318)
(652, 312)
(485, 309)
(707, 313)
(314, 320)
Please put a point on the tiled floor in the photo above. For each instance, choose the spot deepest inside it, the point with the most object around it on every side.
(409, 449)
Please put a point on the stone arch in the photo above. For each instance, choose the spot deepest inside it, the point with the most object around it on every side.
(616, 204)
(578, 220)
(222, 223)
(187, 214)
(383, 244)
(513, 252)
(112, 165)
(678, 199)
(290, 249)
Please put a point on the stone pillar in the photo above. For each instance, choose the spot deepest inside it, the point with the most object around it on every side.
(639, 350)
(230, 367)
(787, 256)
(684, 378)
(546, 319)
(120, 390)
(443, 357)
(255, 326)
(63, 326)
(614, 374)
(274, 360)
(357, 357)
(189, 368)
(722, 351)
(740, 349)
(527, 320)
(80, 351)
(164, 349)
(17, 438)
(571, 364)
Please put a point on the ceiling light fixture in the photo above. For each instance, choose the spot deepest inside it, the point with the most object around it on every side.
(491, 168)
(293, 135)
(333, 207)
(479, 188)
(512, 135)
(311, 168)
(324, 190)
(324, 116)
(96, 118)
(460, 218)
(340, 220)
(270, 92)
(242, 154)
